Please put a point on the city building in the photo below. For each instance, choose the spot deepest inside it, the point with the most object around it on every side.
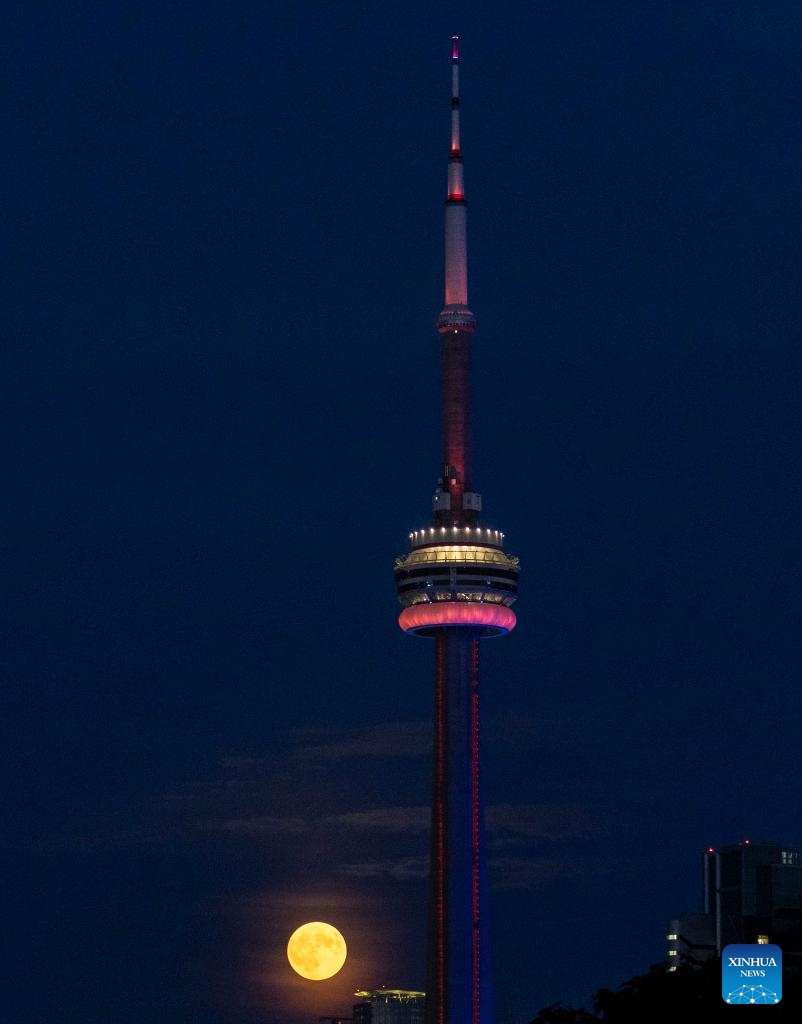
(389, 1006)
(751, 893)
(456, 586)
(689, 939)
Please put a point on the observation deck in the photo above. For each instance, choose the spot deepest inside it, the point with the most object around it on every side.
(455, 318)
(457, 576)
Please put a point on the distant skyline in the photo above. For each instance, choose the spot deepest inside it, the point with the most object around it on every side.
(224, 266)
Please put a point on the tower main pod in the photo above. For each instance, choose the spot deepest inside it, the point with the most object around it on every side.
(456, 586)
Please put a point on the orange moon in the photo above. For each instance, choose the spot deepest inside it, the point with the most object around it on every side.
(316, 951)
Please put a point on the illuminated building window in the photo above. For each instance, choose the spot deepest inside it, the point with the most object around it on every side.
(763, 940)
(673, 952)
(672, 937)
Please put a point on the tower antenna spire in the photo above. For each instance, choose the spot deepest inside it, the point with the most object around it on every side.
(455, 314)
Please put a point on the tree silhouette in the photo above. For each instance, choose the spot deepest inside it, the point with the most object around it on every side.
(692, 992)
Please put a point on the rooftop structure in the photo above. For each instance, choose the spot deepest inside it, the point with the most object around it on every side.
(389, 1006)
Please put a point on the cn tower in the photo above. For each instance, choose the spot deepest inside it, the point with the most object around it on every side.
(456, 586)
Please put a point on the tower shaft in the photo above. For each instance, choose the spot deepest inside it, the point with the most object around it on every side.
(457, 984)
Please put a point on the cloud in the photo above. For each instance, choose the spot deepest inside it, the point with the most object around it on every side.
(516, 729)
(507, 825)
(552, 822)
(529, 873)
(259, 825)
(388, 739)
(384, 819)
(404, 868)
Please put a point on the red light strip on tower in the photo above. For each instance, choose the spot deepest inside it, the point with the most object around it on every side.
(475, 830)
(439, 826)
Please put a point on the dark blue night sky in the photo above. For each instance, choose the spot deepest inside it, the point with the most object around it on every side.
(222, 232)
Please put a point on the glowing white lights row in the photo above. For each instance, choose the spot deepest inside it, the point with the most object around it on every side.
(456, 531)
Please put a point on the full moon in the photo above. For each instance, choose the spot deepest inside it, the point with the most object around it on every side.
(316, 951)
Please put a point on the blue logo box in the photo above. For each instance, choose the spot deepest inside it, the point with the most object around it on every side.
(751, 974)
